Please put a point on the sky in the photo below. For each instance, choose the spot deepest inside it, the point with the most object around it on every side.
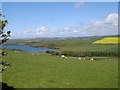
(61, 19)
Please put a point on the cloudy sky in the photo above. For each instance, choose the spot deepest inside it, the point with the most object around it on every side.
(61, 19)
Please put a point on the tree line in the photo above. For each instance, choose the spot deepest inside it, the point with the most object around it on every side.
(85, 54)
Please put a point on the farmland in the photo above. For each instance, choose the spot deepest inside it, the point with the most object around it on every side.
(29, 70)
(47, 71)
(108, 40)
(90, 47)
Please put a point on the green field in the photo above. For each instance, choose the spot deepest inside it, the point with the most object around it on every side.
(47, 71)
(52, 71)
(91, 47)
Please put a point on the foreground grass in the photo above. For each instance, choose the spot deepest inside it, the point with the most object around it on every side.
(46, 71)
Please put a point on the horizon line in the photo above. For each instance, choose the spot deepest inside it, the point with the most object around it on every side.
(68, 36)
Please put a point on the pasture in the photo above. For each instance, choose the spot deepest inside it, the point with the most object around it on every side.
(43, 70)
(48, 71)
(90, 47)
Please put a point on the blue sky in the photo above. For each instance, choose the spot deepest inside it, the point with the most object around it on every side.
(60, 19)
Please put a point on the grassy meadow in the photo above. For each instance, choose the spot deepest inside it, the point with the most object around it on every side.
(47, 71)
(90, 47)
(52, 71)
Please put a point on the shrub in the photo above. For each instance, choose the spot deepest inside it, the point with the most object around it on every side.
(89, 54)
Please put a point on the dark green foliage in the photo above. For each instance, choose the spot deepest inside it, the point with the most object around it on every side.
(2, 31)
(90, 54)
(4, 37)
(8, 32)
(85, 54)
(53, 52)
(3, 53)
(49, 52)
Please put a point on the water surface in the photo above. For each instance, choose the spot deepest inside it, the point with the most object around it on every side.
(27, 48)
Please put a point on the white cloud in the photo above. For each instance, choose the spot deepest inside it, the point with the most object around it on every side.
(75, 31)
(39, 33)
(78, 5)
(66, 28)
(42, 28)
(109, 26)
(112, 18)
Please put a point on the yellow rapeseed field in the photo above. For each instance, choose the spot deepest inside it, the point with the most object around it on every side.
(108, 40)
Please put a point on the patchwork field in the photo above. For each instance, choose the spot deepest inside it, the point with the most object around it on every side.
(48, 71)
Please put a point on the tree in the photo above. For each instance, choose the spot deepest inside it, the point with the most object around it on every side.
(4, 36)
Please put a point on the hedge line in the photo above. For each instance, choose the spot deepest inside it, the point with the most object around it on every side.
(85, 54)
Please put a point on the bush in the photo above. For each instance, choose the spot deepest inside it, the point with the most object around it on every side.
(73, 53)
(50, 51)
(85, 54)
(89, 54)
(53, 52)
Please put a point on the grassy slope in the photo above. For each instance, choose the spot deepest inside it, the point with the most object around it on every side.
(46, 71)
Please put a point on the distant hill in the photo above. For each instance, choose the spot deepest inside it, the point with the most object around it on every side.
(89, 39)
